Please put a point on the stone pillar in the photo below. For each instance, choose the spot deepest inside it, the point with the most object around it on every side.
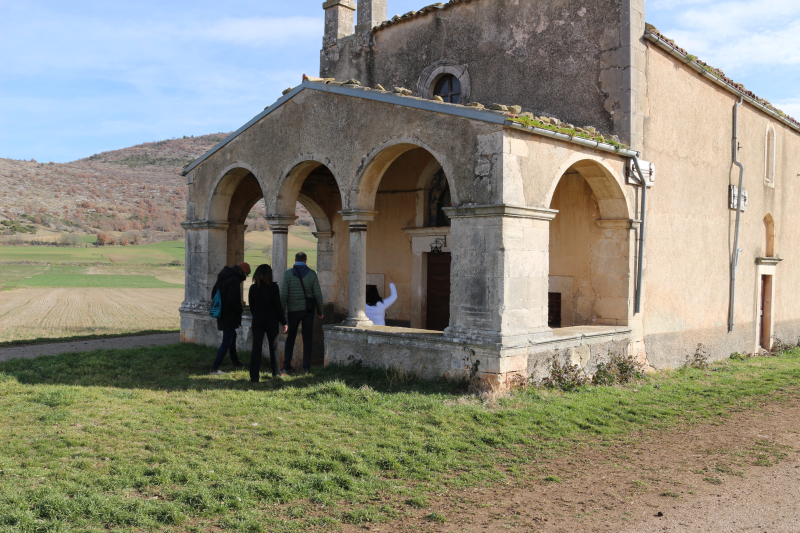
(339, 19)
(499, 276)
(357, 316)
(613, 271)
(325, 262)
(370, 13)
(235, 244)
(206, 255)
(279, 225)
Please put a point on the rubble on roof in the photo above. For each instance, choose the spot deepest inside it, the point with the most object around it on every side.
(513, 113)
(717, 73)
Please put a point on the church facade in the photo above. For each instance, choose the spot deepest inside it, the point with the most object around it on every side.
(540, 179)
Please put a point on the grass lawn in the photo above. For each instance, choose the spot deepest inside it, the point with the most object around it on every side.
(91, 280)
(158, 253)
(146, 440)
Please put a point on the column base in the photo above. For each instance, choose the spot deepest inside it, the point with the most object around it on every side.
(355, 322)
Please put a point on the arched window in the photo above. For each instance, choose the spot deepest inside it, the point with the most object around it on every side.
(769, 176)
(769, 236)
(449, 88)
(438, 198)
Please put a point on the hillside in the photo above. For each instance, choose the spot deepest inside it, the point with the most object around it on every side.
(133, 190)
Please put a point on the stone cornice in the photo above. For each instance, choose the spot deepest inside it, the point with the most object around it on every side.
(501, 210)
(623, 223)
(204, 224)
(768, 260)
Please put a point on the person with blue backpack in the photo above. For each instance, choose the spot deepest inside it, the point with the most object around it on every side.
(226, 307)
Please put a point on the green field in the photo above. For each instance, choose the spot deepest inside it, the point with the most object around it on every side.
(158, 253)
(146, 440)
(89, 280)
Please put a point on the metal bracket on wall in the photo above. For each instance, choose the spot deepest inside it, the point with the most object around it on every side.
(733, 198)
(648, 169)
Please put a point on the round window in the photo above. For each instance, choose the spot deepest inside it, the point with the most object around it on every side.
(449, 88)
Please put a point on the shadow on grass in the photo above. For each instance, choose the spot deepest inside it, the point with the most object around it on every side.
(181, 367)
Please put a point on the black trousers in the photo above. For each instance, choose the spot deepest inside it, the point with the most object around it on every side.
(296, 318)
(255, 356)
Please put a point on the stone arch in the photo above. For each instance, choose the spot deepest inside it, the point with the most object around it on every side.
(605, 185)
(292, 179)
(590, 247)
(225, 185)
(362, 195)
(769, 236)
(321, 219)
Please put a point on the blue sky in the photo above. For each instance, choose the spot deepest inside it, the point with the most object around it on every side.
(79, 77)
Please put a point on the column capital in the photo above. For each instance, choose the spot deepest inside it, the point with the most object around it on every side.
(204, 224)
(281, 220)
(501, 210)
(355, 216)
(349, 4)
(322, 234)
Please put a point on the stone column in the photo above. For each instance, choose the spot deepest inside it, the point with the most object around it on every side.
(206, 254)
(370, 13)
(279, 225)
(500, 271)
(339, 19)
(358, 267)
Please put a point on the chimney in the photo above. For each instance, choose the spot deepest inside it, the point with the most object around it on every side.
(339, 20)
(370, 14)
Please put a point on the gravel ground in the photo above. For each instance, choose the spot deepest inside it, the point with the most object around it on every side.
(116, 343)
(737, 474)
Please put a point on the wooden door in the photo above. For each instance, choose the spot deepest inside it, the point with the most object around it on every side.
(438, 291)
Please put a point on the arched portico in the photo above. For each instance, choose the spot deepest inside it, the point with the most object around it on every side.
(591, 244)
(391, 200)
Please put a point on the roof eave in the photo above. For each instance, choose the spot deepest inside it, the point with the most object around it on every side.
(488, 116)
(675, 52)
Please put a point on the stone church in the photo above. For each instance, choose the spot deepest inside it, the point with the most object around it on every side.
(539, 178)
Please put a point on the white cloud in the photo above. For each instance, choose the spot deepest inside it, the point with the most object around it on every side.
(790, 106)
(740, 36)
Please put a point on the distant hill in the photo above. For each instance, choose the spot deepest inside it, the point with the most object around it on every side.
(136, 189)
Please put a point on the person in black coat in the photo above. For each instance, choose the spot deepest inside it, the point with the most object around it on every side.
(228, 285)
(265, 304)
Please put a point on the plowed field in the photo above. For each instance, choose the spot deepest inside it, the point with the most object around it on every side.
(65, 312)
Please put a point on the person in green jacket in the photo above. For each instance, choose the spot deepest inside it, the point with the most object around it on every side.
(302, 299)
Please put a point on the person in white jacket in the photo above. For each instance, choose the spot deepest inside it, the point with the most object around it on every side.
(377, 306)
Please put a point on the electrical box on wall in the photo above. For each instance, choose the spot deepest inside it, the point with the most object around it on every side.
(733, 197)
(648, 169)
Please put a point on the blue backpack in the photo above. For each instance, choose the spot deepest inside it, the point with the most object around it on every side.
(216, 306)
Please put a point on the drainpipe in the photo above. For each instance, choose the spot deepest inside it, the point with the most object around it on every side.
(736, 249)
(638, 308)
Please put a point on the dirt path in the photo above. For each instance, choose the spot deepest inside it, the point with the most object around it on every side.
(116, 343)
(741, 474)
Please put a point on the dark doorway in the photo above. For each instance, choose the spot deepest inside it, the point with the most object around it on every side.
(438, 291)
(554, 309)
(765, 313)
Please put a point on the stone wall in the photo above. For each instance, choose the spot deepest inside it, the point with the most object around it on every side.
(578, 60)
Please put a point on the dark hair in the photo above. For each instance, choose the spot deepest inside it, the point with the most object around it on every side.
(263, 276)
(301, 257)
(373, 297)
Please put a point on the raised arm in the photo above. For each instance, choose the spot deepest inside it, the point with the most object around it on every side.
(393, 298)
